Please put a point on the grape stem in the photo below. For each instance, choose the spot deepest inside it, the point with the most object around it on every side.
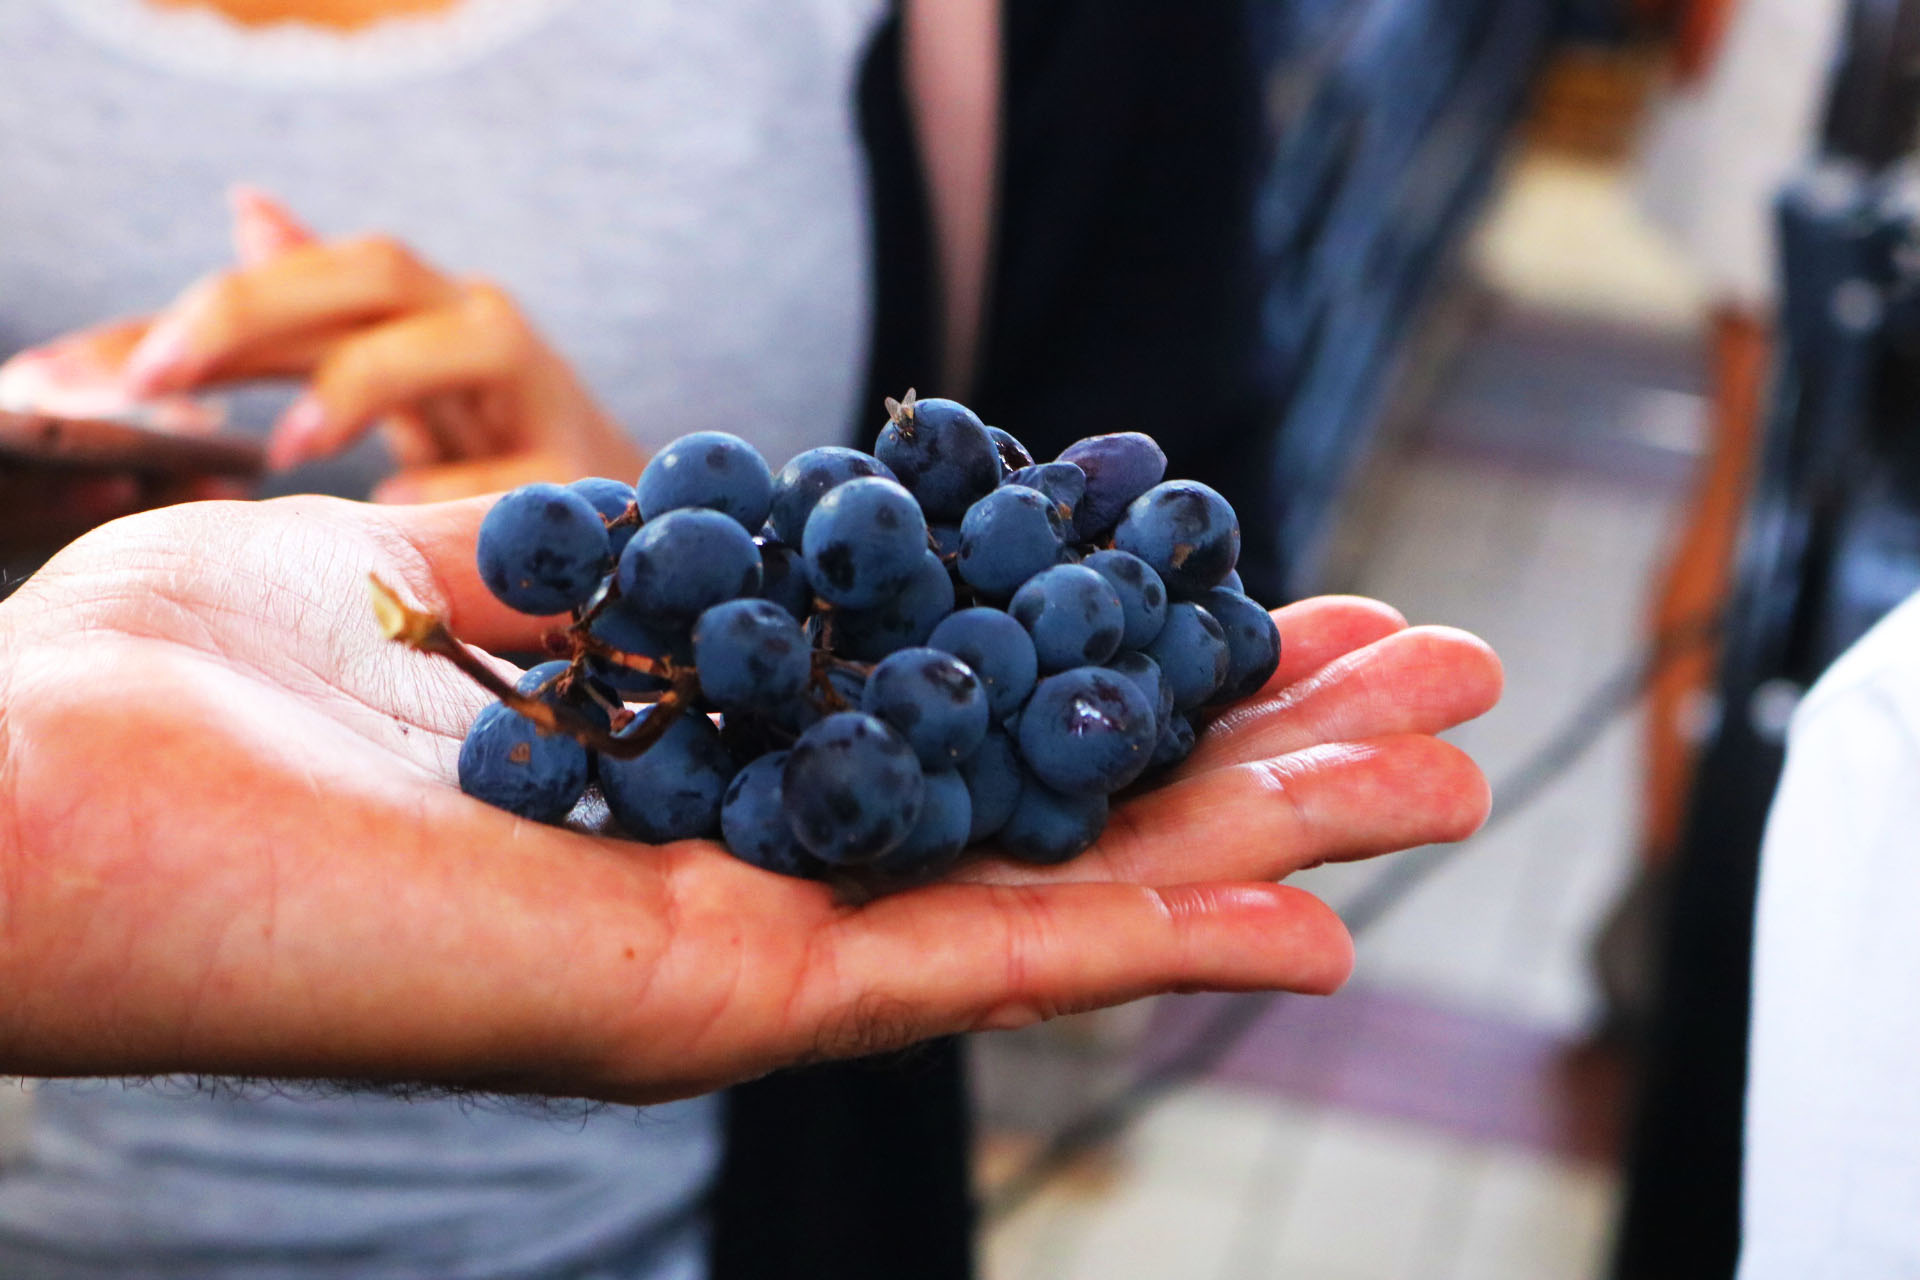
(427, 633)
(660, 668)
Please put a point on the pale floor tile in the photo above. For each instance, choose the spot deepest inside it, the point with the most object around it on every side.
(1363, 1201)
(1533, 1219)
(1215, 1137)
(1170, 1200)
(1040, 1241)
(1224, 1184)
(1159, 1229)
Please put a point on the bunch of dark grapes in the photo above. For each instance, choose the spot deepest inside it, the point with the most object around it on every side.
(867, 663)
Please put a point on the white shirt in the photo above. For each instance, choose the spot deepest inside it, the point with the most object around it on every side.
(1832, 1174)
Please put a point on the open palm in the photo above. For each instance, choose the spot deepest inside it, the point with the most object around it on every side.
(230, 842)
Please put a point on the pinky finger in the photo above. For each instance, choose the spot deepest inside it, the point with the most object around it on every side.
(962, 958)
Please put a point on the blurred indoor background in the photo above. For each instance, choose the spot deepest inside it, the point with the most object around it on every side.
(1531, 398)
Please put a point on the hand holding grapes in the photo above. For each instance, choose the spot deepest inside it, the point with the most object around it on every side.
(230, 842)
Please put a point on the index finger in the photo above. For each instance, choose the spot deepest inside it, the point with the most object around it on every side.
(304, 289)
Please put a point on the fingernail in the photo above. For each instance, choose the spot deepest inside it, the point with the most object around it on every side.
(156, 359)
(263, 228)
(295, 433)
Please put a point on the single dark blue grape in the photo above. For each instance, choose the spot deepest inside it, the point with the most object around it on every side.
(1185, 531)
(1119, 468)
(864, 542)
(672, 790)
(1192, 652)
(807, 478)
(753, 821)
(1145, 674)
(751, 655)
(905, 620)
(610, 498)
(1047, 827)
(943, 454)
(1013, 454)
(1143, 597)
(1253, 643)
(1087, 731)
(1063, 483)
(783, 579)
(944, 539)
(932, 700)
(1073, 615)
(852, 789)
(1232, 582)
(548, 676)
(997, 648)
(621, 627)
(1007, 537)
(542, 549)
(687, 561)
(939, 834)
(511, 765)
(712, 470)
(993, 775)
(1175, 745)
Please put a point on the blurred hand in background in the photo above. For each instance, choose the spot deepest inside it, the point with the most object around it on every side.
(469, 397)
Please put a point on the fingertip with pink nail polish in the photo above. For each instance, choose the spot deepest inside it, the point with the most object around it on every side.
(296, 433)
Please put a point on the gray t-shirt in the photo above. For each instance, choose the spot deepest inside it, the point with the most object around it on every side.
(674, 191)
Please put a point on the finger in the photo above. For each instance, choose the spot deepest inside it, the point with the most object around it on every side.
(1421, 680)
(263, 227)
(462, 425)
(434, 552)
(307, 288)
(77, 375)
(456, 480)
(1270, 818)
(396, 365)
(1315, 631)
(409, 440)
(963, 958)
